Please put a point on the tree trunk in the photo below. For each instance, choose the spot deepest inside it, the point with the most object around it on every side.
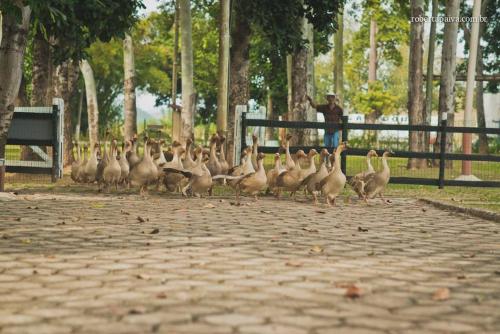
(271, 115)
(311, 114)
(1, 28)
(239, 74)
(130, 110)
(41, 83)
(176, 114)
(372, 75)
(448, 72)
(41, 95)
(188, 107)
(372, 65)
(66, 80)
(300, 105)
(339, 61)
(481, 120)
(12, 50)
(430, 72)
(415, 83)
(224, 40)
(92, 106)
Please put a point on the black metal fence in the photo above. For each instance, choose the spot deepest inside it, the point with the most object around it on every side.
(38, 130)
(442, 156)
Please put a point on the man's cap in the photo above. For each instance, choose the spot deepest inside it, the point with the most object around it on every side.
(331, 94)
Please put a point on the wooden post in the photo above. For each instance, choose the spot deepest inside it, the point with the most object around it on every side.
(469, 92)
(442, 150)
(2, 175)
(55, 142)
(343, 161)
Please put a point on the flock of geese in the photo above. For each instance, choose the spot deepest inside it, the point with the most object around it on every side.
(194, 171)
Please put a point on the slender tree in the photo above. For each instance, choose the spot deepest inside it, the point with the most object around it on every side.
(12, 49)
(224, 40)
(130, 110)
(415, 82)
(448, 71)
(188, 93)
(176, 115)
(430, 74)
(92, 106)
(240, 67)
(65, 81)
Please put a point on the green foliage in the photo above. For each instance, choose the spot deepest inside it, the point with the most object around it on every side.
(375, 99)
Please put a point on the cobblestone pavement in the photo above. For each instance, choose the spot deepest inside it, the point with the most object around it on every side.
(111, 264)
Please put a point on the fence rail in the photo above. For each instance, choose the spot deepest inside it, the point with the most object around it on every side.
(442, 156)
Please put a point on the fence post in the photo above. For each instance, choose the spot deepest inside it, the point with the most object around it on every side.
(2, 175)
(55, 142)
(343, 161)
(442, 151)
(243, 130)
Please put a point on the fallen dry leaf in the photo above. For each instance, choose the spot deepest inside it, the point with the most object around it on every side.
(308, 229)
(140, 219)
(123, 212)
(209, 206)
(26, 241)
(293, 263)
(362, 229)
(320, 211)
(441, 294)
(353, 292)
(137, 310)
(155, 231)
(161, 295)
(265, 211)
(144, 277)
(316, 249)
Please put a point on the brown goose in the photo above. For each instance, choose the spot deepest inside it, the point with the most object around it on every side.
(253, 183)
(80, 174)
(145, 172)
(124, 166)
(333, 184)
(213, 163)
(172, 180)
(112, 171)
(357, 182)
(132, 156)
(222, 156)
(292, 178)
(375, 183)
(272, 174)
(313, 179)
(91, 165)
(188, 161)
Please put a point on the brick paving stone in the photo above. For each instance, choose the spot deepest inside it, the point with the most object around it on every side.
(236, 270)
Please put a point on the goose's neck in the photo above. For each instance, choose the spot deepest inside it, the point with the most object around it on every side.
(385, 164)
(261, 169)
(369, 163)
(212, 151)
(336, 164)
(222, 154)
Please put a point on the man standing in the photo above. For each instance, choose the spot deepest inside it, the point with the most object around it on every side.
(333, 115)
